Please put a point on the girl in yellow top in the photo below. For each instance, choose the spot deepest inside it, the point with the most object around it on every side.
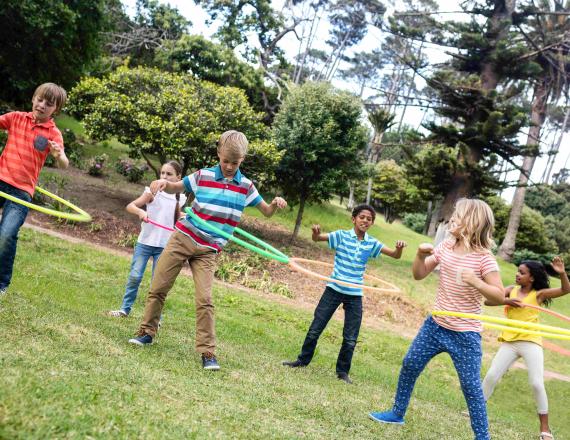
(532, 288)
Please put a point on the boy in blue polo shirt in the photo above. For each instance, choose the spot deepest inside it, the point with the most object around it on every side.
(220, 195)
(353, 249)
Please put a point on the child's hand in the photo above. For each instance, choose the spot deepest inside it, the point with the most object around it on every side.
(279, 202)
(157, 186)
(55, 149)
(401, 244)
(143, 216)
(468, 276)
(557, 264)
(513, 302)
(316, 232)
(425, 250)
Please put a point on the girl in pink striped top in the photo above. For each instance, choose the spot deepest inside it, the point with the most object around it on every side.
(468, 273)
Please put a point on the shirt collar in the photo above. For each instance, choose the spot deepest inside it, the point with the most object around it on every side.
(47, 124)
(353, 234)
(220, 176)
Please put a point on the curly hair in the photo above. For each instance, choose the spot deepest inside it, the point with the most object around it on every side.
(539, 275)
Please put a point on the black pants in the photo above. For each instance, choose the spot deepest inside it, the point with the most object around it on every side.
(328, 304)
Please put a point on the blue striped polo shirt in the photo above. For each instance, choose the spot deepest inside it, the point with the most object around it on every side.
(350, 258)
(218, 201)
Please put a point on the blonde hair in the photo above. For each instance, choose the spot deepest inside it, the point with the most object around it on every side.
(53, 93)
(234, 143)
(475, 223)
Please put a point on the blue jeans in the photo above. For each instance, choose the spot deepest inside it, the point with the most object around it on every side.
(141, 256)
(13, 217)
(328, 304)
(465, 351)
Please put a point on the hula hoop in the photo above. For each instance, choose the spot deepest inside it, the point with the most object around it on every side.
(556, 348)
(528, 332)
(268, 251)
(158, 224)
(293, 263)
(80, 216)
(512, 324)
(545, 310)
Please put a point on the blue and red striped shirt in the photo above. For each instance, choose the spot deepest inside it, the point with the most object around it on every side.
(219, 201)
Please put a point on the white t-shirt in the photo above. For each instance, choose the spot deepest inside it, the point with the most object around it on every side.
(161, 211)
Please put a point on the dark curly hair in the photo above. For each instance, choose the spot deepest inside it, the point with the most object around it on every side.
(358, 209)
(538, 272)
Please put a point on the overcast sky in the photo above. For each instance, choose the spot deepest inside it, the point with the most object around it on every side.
(198, 18)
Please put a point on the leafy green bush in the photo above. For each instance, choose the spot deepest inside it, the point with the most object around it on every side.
(525, 254)
(415, 221)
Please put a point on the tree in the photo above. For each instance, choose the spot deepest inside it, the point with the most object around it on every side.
(168, 115)
(319, 131)
(48, 43)
(546, 35)
(393, 193)
(213, 62)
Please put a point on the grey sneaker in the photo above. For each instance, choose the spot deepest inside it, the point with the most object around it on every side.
(3, 291)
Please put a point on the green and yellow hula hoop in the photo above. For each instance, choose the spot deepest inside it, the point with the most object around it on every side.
(531, 328)
(79, 216)
(266, 250)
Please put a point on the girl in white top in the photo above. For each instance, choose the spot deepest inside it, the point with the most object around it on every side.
(163, 209)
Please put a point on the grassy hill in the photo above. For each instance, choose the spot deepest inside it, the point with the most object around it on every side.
(68, 372)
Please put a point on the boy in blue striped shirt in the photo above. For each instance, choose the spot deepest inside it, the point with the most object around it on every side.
(220, 195)
(353, 249)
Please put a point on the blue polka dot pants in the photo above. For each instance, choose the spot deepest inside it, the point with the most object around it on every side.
(464, 348)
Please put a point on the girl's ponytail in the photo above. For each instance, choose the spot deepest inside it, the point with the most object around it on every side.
(177, 208)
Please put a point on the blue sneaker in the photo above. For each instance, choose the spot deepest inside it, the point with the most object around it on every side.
(386, 417)
(141, 340)
(209, 362)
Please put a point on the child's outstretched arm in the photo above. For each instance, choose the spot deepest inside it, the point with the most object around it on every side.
(166, 186)
(514, 302)
(424, 263)
(318, 235)
(558, 266)
(394, 253)
(491, 286)
(269, 209)
(135, 207)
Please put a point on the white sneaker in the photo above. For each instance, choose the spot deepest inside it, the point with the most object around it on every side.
(3, 291)
(118, 314)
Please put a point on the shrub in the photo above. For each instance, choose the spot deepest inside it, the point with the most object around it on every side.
(96, 164)
(133, 171)
(415, 221)
(525, 254)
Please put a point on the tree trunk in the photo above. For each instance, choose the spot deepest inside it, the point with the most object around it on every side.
(429, 213)
(538, 115)
(350, 203)
(435, 217)
(302, 201)
(557, 147)
(151, 165)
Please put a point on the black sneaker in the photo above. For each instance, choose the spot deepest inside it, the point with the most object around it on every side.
(209, 362)
(141, 340)
(345, 377)
(294, 364)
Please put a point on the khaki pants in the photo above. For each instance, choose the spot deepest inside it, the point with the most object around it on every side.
(202, 261)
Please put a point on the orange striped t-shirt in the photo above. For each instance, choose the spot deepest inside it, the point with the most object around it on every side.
(453, 294)
(21, 162)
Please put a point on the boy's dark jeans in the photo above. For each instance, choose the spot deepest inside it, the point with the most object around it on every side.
(13, 217)
(328, 304)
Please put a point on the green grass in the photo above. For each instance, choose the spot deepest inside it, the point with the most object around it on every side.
(68, 372)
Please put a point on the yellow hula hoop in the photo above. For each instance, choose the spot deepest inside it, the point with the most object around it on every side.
(512, 323)
(79, 216)
(527, 332)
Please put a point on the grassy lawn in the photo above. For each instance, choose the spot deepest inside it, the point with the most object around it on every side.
(68, 372)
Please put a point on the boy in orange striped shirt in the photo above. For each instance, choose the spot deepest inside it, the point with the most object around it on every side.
(31, 137)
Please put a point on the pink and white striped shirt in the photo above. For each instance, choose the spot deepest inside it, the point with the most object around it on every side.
(453, 294)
